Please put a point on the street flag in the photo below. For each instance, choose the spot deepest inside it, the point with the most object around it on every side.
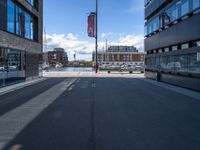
(91, 25)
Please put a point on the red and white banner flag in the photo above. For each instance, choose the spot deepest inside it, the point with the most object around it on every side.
(91, 25)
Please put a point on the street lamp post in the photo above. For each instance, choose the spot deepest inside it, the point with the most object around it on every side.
(96, 36)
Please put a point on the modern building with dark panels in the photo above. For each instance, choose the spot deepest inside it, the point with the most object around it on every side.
(21, 31)
(172, 41)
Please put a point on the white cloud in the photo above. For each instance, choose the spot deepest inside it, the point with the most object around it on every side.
(70, 36)
(72, 43)
(106, 35)
(133, 40)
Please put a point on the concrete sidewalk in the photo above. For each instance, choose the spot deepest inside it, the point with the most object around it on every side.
(20, 85)
(93, 74)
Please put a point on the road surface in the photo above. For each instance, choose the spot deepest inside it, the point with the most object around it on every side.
(98, 114)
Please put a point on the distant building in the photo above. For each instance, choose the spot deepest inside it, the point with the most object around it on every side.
(119, 55)
(21, 35)
(57, 57)
(172, 41)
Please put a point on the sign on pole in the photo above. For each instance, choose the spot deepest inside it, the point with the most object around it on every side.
(91, 25)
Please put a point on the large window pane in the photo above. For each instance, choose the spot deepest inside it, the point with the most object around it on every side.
(28, 26)
(20, 22)
(195, 4)
(34, 3)
(171, 12)
(178, 9)
(11, 16)
(155, 24)
(185, 7)
(31, 2)
(12, 66)
(145, 31)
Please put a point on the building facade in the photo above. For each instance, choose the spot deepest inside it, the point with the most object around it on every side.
(172, 41)
(21, 33)
(120, 55)
(58, 57)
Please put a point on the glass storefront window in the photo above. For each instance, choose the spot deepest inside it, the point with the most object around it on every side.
(12, 66)
(181, 63)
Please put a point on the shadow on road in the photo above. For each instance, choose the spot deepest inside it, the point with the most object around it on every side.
(116, 113)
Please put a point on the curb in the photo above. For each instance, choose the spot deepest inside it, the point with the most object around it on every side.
(11, 88)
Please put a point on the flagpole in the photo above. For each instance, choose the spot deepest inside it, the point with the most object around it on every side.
(96, 37)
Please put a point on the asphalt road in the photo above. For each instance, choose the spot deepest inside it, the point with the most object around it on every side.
(100, 114)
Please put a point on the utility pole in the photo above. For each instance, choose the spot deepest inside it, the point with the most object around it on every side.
(106, 51)
(96, 37)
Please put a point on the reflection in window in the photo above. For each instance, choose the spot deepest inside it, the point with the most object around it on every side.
(31, 2)
(152, 26)
(178, 9)
(20, 22)
(181, 63)
(145, 30)
(28, 26)
(195, 4)
(12, 66)
(172, 14)
(11, 17)
(184, 7)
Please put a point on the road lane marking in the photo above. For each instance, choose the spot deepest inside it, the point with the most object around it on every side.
(71, 87)
(78, 80)
(13, 122)
(93, 85)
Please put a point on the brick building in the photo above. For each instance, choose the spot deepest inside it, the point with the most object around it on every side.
(119, 55)
(57, 57)
(21, 30)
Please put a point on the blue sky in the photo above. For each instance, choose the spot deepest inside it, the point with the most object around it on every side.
(120, 22)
